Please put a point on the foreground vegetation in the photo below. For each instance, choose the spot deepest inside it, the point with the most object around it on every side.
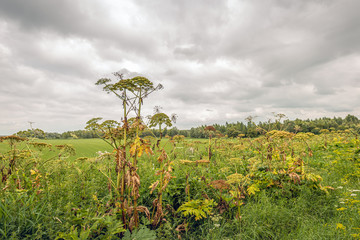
(252, 188)
(279, 185)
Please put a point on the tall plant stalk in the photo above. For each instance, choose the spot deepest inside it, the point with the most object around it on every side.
(120, 135)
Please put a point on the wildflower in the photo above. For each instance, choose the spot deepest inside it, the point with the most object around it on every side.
(353, 195)
(340, 187)
(340, 226)
(95, 197)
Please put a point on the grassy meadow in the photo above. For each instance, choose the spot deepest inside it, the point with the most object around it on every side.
(277, 186)
(83, 147)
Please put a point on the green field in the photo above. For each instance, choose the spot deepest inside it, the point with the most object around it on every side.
(278, 186)
(84, 147)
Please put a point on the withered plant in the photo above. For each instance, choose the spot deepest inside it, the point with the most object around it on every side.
(9, 160)
(210, 131)
(158, 120)
(165, 176)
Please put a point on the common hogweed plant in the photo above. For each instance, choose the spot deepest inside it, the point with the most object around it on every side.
(162, 121)
(210, 131)
(164, 172)
(124, 137)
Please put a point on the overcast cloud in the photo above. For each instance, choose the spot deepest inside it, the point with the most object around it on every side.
(218, 60)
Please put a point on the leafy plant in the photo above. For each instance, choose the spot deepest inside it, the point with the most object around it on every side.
(198, 208)
(142, 233)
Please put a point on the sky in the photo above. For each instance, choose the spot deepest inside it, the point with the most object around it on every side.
(218, 60)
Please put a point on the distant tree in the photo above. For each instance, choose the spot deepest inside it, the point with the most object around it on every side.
(351, 119)
(233, 132)
(32, 133)
(173, 131)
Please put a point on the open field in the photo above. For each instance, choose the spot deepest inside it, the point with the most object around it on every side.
(278, 186)
(83, 147)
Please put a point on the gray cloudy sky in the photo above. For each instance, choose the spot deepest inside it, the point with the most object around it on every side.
(218, 60)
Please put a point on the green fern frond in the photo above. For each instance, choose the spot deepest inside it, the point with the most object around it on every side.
(197, 208)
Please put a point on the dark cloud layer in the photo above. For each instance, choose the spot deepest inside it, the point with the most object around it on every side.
(218, 60)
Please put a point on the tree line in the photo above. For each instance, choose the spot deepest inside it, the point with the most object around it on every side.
(248, 129)
(40, 134)
(252, 129)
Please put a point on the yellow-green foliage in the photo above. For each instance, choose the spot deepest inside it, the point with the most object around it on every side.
(198, 208)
